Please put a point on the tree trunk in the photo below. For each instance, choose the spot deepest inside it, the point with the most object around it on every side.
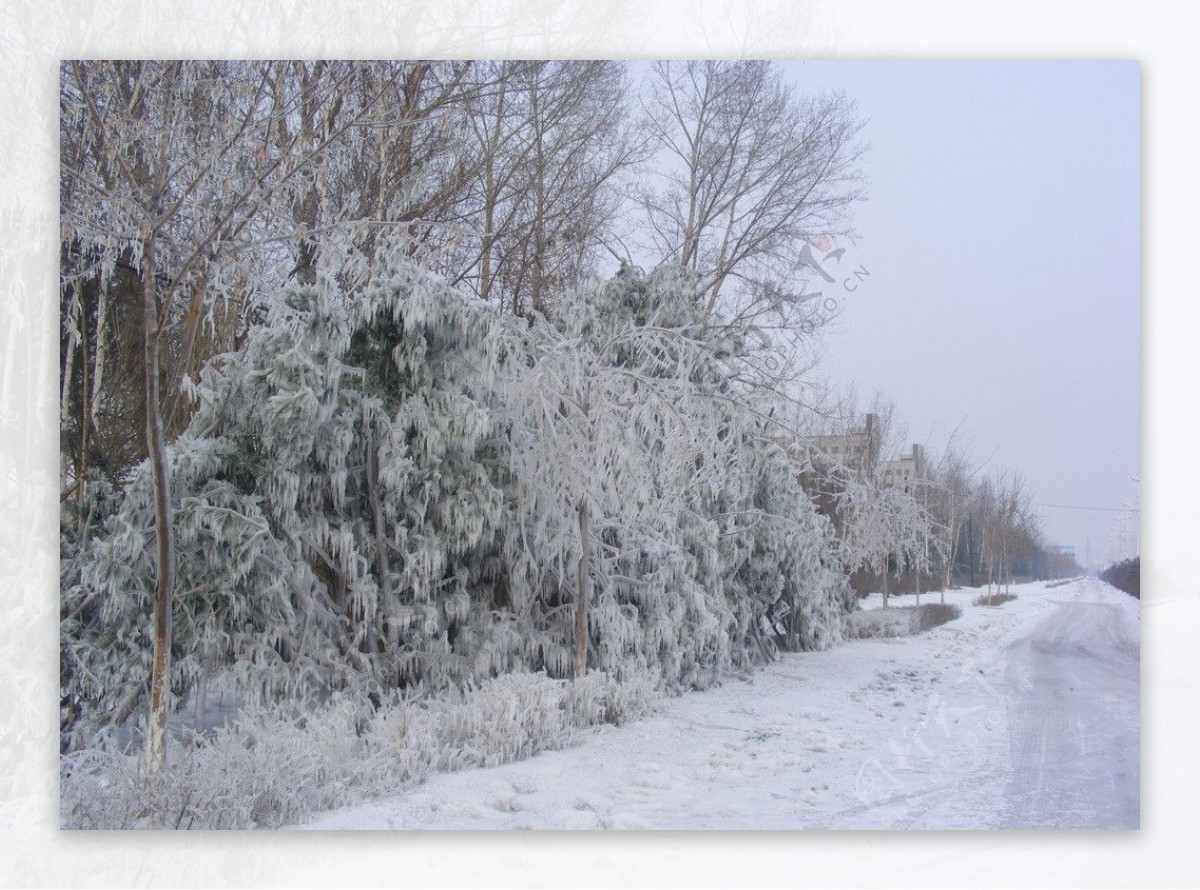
(485, 255)
(951, 556)
(202, 691)
(381, 540)
(583, 594)
(971, 549)
(85, 404)
(164, 587)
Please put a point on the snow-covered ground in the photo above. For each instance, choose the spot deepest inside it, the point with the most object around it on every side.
(1024, 715)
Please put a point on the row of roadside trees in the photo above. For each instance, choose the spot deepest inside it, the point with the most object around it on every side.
(939, 524)
(345, 405)
(193, 190)
(227, 224)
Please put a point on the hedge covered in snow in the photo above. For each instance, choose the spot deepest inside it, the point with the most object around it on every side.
(403, 491)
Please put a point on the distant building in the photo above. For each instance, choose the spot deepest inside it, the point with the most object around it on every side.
(856, 450)
(834, 459)
(837, 458)
(906, 472)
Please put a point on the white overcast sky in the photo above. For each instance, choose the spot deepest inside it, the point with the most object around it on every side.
(1002, 237)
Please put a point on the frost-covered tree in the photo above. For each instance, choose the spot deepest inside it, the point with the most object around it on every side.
(552, 137)
(408, 490)
(950, 492)
(878, 524)
(1002, 507)
(334, 506)
(606, 418)
(780, 555)
(749, 169)
(647, 477)
(166, 171)
(884, 523)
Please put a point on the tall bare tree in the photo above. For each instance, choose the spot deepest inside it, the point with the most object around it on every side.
(949, 498)
(750, 170)
(553, 138)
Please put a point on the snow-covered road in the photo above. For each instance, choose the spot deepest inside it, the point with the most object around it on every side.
(1024, 715)
(1073, 720)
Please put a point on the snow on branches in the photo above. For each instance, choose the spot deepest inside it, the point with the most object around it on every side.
(402, 489)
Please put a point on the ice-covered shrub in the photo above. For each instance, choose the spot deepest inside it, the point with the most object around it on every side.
(275, 766)
(899, 621)
(931, 615)
(336, 512)
(871, 623)
(993, 599)
(709, 554)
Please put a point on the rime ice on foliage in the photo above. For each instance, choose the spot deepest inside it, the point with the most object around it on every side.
(708, 553)
(334, 507)
(378, 492)
(883, 520)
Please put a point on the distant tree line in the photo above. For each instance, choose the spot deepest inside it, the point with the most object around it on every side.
(950, 525)
(1125, 575)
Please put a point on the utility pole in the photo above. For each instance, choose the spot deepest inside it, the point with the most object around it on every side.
(1137, 515)
(971, 546)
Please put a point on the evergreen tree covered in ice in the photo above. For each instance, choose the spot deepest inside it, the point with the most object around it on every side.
(404, 490)
(335, 509)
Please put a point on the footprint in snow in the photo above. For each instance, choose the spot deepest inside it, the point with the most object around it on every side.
(508, 805)
(820, 741)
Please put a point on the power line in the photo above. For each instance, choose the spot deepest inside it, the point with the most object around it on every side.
(1077, 507)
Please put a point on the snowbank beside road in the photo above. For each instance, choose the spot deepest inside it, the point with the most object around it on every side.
(895, 733)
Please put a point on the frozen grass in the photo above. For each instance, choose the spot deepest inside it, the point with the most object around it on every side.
(898, 621)
(276, 766)
(993, 599)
